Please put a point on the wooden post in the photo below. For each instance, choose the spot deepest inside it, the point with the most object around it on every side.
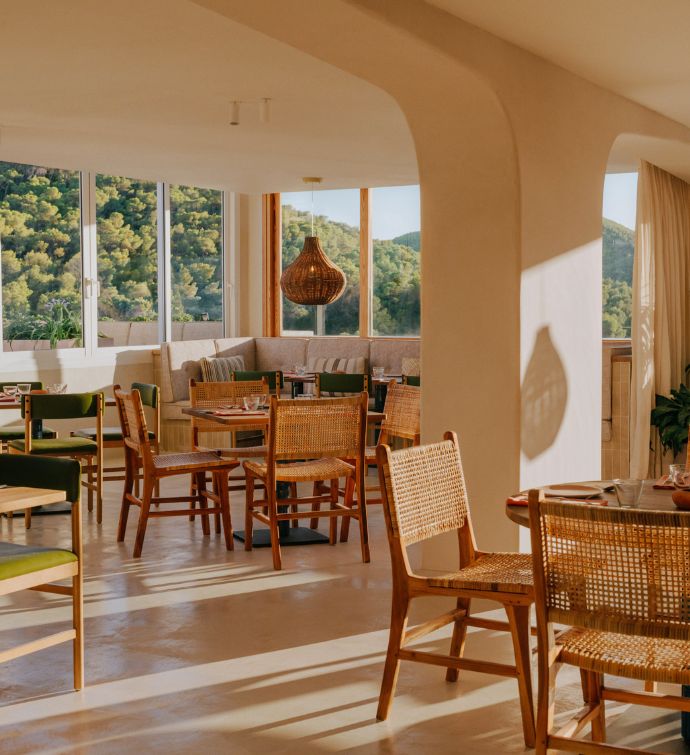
(366, 265)
(272, 256)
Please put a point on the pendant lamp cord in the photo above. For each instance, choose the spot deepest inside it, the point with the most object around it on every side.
(312, 209)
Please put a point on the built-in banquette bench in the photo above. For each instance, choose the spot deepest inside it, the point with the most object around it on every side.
(179, 362)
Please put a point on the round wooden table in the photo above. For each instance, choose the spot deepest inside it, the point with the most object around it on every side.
(651, 500)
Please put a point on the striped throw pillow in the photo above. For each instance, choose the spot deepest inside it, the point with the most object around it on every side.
(355, 366)
(220, 369)
(410, 366)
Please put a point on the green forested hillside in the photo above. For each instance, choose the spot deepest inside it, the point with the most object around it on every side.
(618, 250)
(396, 278)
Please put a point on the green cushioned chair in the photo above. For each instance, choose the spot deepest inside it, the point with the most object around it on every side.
(411, 380)
(274, 378)
(88, 452)
(34, 567)
(330, 384)
(15, 432)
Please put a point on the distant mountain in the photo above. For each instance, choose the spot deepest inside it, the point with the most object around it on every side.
(410, 239)
(618, 251)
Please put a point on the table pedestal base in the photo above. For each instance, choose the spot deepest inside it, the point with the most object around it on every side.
(261, 537)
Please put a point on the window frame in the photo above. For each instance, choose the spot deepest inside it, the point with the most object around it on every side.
(272, 257)
(90, 350)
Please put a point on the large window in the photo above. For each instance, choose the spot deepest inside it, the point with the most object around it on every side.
(126, 223)
(336, 223)
(152, 260)
(41, 257)
(396, 272)
(618, 241)
(196, 242)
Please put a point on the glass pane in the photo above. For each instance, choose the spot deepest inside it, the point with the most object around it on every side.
(396, 241)
(41, 267)
(336, 223)
(618, 242)
(196, 243)
(127, 261)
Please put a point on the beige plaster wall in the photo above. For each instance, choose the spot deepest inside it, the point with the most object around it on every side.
(512, 153)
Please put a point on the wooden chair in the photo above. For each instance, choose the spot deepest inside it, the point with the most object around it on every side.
(273, 377)
(424, 495)
(323, 432)
(402, 410)
(139, 455)
(31, 567)
(88, 452)
(620, 581)
(16, 432)
(338, 384)
(112, 436)
(414, 380)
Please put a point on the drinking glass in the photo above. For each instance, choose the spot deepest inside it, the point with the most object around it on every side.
(680, 476)
(300, 369)
(628, 493)
(9, 390)
(24, 387)
(378, 372)
(251, 403)
(265, 400)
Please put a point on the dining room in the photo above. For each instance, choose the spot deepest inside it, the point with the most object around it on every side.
(230, 248)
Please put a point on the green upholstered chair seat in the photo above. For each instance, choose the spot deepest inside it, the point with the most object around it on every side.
(57, 446)
(17, 432)
(109, 433)
(16, 559)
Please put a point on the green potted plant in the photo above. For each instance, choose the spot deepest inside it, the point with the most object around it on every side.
(56, 327)
(671, 416)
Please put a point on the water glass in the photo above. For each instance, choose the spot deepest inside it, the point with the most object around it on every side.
(251, 403)
(628, 493)
(300, 369)
(265, 400)
(680, 476)
(378, 372)
(9, 390)
(24, 387)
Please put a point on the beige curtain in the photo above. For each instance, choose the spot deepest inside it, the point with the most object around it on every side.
(660, 326)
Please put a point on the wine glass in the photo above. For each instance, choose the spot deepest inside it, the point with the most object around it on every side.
(9, 390)
(24, 388)
(251, 403)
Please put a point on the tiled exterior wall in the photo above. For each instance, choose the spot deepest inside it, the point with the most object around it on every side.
(615, 452)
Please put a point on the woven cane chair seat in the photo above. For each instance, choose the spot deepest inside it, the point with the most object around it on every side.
(493, 572)
(244, 452)
(648, 658)
(190, 459)
(304, 471)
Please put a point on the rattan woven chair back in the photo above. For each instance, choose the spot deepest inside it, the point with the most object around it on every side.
(616, 570)
(402, 411)
(317, 428)
(425, 493)
(133, 423)
(213, 395)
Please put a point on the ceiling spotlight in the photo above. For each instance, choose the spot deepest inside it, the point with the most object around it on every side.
(235, 114)
(265, 110)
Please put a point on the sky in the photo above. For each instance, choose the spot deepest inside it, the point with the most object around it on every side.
(395, 209)
(620, 198)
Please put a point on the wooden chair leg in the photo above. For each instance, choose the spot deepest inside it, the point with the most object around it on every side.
(546, 696)
(596, 682)
(333, 524)
(203, 503)
(314, 522)
(248, 512)
(192, 492)
(143, 516)
(362, 515)
(78, 625)
(399, 612)
(128, 487)
(457, 642)
(347, 500)
(519, 620)
(99, 493)
(27, 519)
(89, 494)
(220, 488)
(273, 526)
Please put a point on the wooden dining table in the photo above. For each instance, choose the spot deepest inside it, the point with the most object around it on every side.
(652, 499)
(14, 498)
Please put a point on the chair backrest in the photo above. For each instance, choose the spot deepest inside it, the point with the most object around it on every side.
(62, 405)
(133, 423)
(35, 386)
(317, 428)
(149, 393)
(212, 395)
(424, 495)
(42, 472)
(414, 380)
(274, 378)
(340, 383)
(617, 570)
(402, 413)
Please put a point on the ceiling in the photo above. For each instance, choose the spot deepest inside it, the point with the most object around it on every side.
(637, 48)
(144, 89)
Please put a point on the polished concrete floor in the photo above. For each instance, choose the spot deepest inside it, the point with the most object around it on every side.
(195, 649)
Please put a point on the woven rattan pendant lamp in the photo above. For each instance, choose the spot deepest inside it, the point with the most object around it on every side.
(312, 278)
